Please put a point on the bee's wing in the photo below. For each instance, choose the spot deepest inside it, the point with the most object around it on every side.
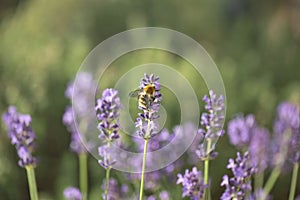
(134, 93)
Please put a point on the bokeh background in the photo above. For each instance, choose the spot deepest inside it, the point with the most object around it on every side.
(255, 44)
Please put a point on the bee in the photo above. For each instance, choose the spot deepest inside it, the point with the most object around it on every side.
(145, 96)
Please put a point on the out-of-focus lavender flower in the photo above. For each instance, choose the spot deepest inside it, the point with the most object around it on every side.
(240, 130)
(212, 124)
(149, 102)
(164, 195)
(244, 133)
(240, 184)
(72, 193)
(115, 191)
(81, 100)
(154, 179)
(76, 143)
(259, 194)
(259, 148)
(82, 95)
(287, 124)
(192, 184)
(21, 135)
(152, 197)
(107, 109)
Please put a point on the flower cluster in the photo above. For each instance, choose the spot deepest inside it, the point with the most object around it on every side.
(288, 123)
(192, 183)
(244, 133)
(240, 130)
(107, 109)
(72, 193)
(21, 135)
(68, 120)
(79, 93)
(115, 191)
(212, 122)
(239, 185)
(149, 102)
(163, 195)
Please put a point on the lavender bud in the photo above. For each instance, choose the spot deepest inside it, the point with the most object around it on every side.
(149, 102)
(192, 184)
(107, 109)
(212, 124)
(240, 184)
(72, 193)
(21, 135)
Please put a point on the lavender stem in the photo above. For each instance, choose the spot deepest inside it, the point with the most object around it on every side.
(258, 180)
(31, 182)
(206, 170)
(107, 174)
(272, 179)
(143, 168)
(294, 181)
(83, 174)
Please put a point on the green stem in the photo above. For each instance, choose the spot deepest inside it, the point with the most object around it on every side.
(294, 181)
(31, 182)
(143, 169)
(206, 170)
(259, 180)
(272, 179)
(107, 174)
(83, 174)
(107, 183)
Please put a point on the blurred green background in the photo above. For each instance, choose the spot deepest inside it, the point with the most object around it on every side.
(255, 44)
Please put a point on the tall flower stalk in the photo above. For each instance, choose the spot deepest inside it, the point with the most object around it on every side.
(212, 128)
(286, 144)
(107, 109)
(238, 186)
(80, 96)
(23, 137)
(149, 98)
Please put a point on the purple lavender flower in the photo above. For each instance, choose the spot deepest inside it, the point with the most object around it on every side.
(107, 109)
(259, 194)
(72, 193)
(288, 118)
(21, 135)
(68, 120)
(240, 184)
(287, 133)
(212, 123)
(115, 191)
(259, 148)
(149, 102)
(164, 195)
(81, 99)
(244, 133)
(82, 94)
(240, 130)
(192, 183)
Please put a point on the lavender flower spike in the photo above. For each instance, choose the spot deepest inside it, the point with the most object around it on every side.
(288, 118)
(68, 120)
(149, 102)
(212, 125)
(239, 185)
(193, 184)
(21, 135)
(107, 109)
(72, 193)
